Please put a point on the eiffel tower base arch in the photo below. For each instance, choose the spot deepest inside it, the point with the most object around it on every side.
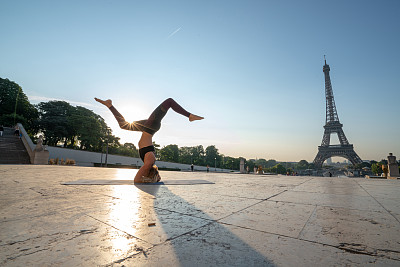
(344, 151)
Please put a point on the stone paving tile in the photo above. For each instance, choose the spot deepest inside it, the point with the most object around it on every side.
(213, 207)
(331, 200)
(335, 190)
(386, 191)
(259, 192)
(397, 216)
(108, 191)
(60, 240)
(240, 185)
(226, 245)
(294, 252)
(392, 205)
(332, 186)
(375, 233)
(286, 219)
(377, 182)
(217, 207)
(9, 198)
(53, 203)
(28, 228)
(240, 220)
(134, 219)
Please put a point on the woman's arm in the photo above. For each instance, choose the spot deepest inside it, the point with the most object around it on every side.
(143, 171)
(149, 160)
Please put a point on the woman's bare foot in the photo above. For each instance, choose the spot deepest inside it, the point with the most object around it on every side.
(107, 102)
(193, 117)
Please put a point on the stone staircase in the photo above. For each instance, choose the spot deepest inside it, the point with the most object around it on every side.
(12, 149)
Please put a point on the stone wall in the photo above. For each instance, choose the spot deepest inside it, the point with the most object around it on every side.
(86, 158)
(90, 159)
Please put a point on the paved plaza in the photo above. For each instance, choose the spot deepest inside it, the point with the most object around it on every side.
(240, 220)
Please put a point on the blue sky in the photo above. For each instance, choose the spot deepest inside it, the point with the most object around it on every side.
(253, 69)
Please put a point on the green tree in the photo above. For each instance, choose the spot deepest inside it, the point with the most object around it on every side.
(134, 152)
(383, 161)
(53, 121)
(250, 164)
(279, 169)
(362, 165)
(270, 163)
(15, 107)
(169, 153)
(74, 127)
(236, 164)
(185, 155)
(302, 165)
(212, 156)
(127, 149)
(374, 168)
(157, 150)
(263, 163)
(198, 155)
(114, 145)
(311, 165)
(88, 128)
(377, 168)
(8, 120)
(229, 163)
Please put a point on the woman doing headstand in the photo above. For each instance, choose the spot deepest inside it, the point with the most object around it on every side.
(148, 173)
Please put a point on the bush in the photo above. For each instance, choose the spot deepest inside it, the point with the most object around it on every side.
(9, 119)
(70, 162)
(56, 161)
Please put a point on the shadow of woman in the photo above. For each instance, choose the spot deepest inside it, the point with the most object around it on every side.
(185, 235)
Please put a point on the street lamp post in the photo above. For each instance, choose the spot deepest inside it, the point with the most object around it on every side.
(215, 162)
(108, 136)
(105, 164)
(16, 103)
(101, 158)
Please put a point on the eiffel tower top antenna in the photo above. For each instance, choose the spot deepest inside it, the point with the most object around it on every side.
(325, 59)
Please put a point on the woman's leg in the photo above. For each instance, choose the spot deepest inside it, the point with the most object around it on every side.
(153, 123)
(123, 124)
(159, 113)
(170, 103)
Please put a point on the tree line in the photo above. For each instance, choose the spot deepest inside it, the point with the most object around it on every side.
(62, 124)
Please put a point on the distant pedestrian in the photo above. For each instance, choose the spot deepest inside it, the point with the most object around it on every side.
(1, 130)
(16, 132)
(192, 167)
(208, 168)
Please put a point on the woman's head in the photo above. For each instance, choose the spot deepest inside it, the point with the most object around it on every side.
(154, 174)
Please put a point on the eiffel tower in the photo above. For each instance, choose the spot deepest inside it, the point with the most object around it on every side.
(332, 125)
